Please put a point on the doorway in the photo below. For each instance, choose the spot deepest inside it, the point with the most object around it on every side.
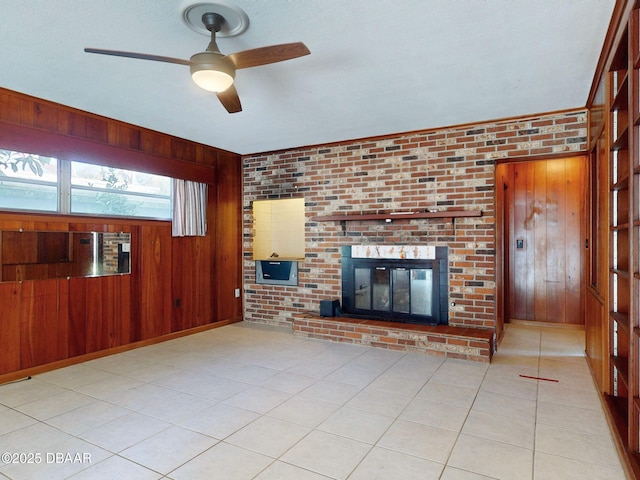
(540, 222)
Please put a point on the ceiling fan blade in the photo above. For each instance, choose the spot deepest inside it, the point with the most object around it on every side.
(266, 55)
(230, 100)
(140, 56)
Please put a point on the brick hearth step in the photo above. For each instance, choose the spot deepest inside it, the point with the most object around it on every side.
(443, 340)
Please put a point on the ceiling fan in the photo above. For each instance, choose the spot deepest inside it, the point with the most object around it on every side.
(215, 71)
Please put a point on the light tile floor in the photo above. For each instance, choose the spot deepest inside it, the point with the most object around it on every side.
(255, 402)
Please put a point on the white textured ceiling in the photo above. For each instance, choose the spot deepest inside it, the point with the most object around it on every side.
(376, 66)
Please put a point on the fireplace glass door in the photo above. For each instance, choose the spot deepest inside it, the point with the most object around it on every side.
(399, 290)
(411, 290)
(363, 288)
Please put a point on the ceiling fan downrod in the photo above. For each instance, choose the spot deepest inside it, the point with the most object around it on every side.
(213, 22)
(211, 70)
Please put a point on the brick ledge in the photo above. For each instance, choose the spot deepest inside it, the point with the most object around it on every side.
(442, 340)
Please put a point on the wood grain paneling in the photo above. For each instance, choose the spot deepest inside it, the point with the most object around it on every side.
(19, 247)
(107, 319)
(10, 297)
(44, 326)
(596, 319)
(78, 316)
(545, 234)
(155, 276)
(193, 265)
(182, 285)
(228, 234)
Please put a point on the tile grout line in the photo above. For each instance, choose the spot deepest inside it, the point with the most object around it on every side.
(446, 464)
(535, 421)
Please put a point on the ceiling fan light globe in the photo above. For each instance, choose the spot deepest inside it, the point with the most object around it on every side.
(212, 80)
(212, 72)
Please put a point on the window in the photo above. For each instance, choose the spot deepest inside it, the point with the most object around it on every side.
(28, 182)
(33, 182)
(101, 190)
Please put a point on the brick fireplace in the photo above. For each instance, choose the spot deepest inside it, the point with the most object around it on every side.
(384, 181)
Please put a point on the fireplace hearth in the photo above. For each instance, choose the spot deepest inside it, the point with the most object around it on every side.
(396, 283)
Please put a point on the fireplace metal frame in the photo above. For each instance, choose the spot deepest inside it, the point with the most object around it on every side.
(440, 287)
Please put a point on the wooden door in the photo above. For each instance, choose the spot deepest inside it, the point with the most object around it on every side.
(544, 234)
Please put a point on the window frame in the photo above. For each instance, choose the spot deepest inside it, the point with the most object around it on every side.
(65, 187)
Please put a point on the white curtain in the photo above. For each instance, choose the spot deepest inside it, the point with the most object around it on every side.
(189, 208)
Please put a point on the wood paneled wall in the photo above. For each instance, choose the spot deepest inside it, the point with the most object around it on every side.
(46, 128)
(175, 284)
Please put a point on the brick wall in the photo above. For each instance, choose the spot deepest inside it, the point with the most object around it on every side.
(449, 168)
(110, 243)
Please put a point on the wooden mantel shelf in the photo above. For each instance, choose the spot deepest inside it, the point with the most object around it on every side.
(388, 217)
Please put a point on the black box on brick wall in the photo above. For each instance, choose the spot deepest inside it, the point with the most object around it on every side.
(329, 308)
